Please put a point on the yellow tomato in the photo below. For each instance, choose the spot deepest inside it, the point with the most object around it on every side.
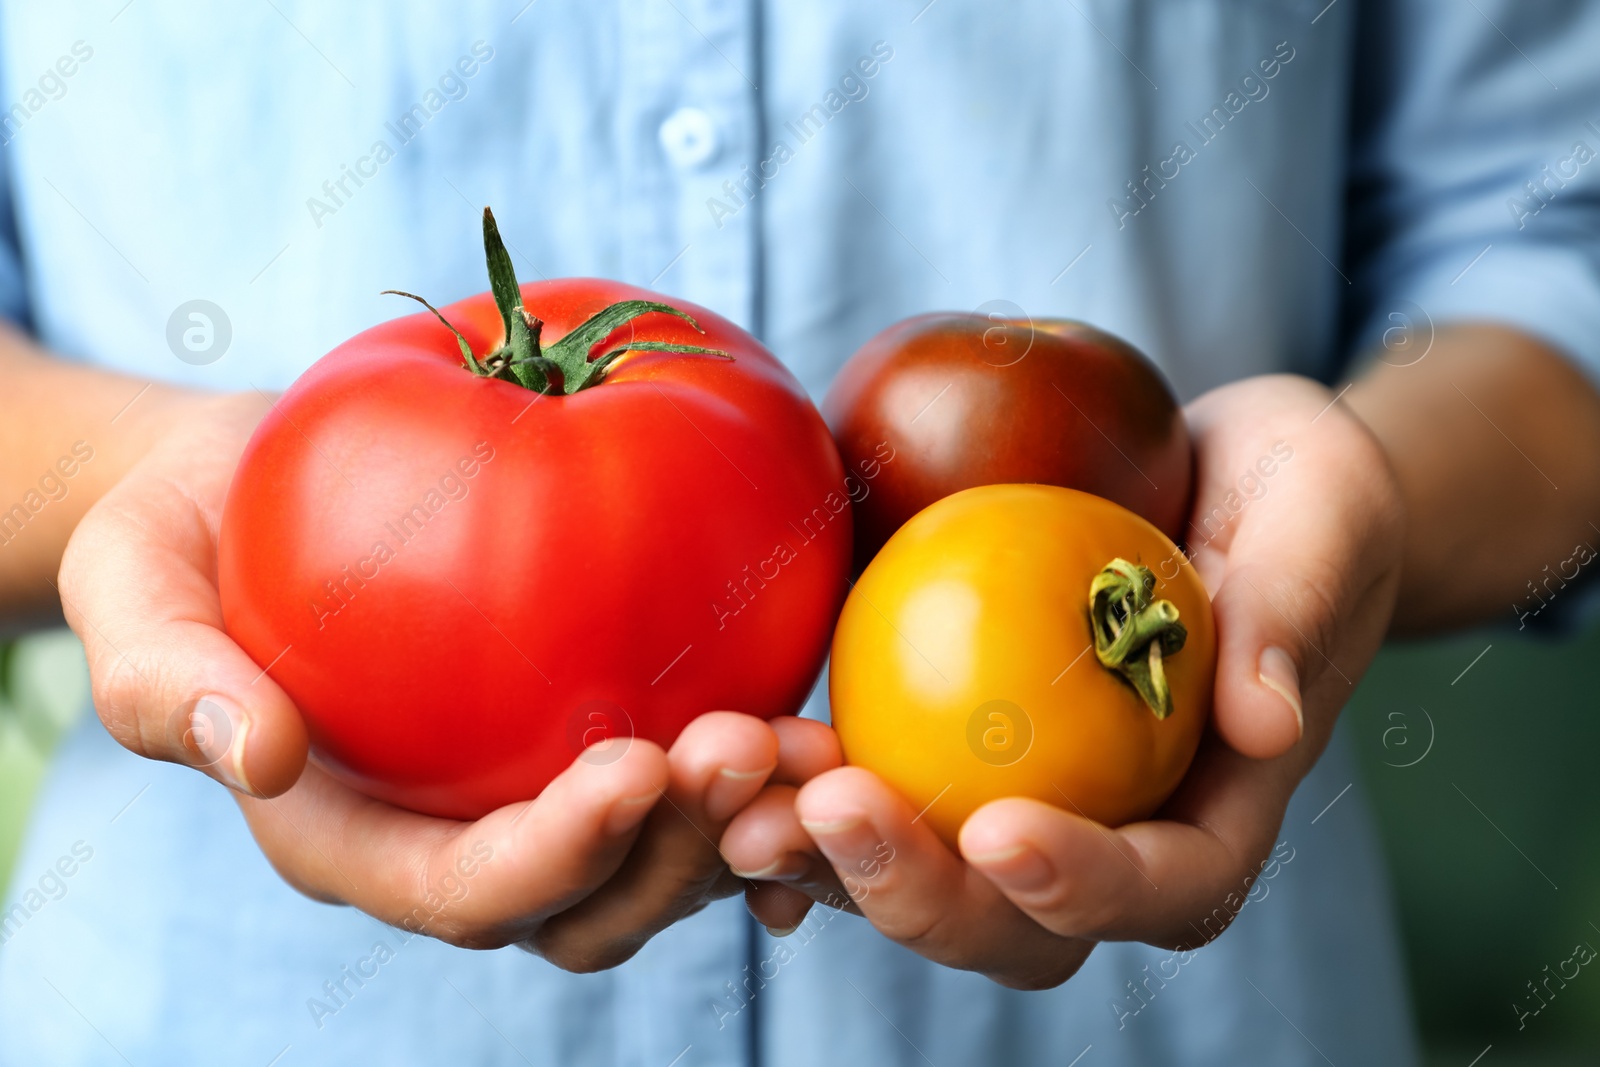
(965, 665)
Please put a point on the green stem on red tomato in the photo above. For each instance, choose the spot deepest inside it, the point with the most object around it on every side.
(564, 367)
(1133, 632)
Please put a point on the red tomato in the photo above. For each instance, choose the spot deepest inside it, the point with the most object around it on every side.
(944, 402)
(462, 583)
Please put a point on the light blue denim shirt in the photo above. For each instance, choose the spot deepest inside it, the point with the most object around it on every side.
(1237, 186)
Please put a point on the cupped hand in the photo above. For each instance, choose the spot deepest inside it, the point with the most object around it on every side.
(1296, 532)
(613, 851)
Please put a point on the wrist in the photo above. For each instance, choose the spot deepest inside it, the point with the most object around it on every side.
(1369, 404)
(68, 456)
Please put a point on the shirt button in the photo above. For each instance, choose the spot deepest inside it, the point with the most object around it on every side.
(688, 137)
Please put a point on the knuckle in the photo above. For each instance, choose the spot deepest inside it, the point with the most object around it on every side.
(467, 937)
(1048, 976)
(1072, 916)
(440, 925)
(1094, 902)
(917, 930)
(1312, 599)
(439, 915)
(117, 689)
(1323, 597)
(75, 559)
(576, 952)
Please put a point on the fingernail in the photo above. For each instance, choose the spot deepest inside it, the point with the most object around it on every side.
(218, 729)
(831, 826)
(731, 790)
(782, 931)
(765, 872)
(629, 812)
(847, 841)
(1020, 868)
(1277, 673)
(789, 866)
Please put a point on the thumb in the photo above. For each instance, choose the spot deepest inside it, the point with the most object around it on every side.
(168, 683)
(1265, 652)
(1303, 570)
(1300, 610)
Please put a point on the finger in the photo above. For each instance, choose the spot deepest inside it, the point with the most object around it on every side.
(1258, 705)
(1286, 615)
(919, 893)
(779, 907)
(716, 766)
(479, 885)
(765, 845)
(137, 585)
(1298, 595)
(806, 748)
(1172, 882)
(765, 840)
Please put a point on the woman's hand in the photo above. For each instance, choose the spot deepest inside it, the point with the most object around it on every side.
(613, 851)
(1302, 566)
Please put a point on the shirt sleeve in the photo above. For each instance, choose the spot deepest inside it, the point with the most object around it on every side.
(14, 304)
(1475, 169)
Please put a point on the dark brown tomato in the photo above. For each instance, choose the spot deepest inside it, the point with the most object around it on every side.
(947, 401)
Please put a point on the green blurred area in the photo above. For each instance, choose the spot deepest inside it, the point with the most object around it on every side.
(44, 687)
(1491, 837)
(1479, 754)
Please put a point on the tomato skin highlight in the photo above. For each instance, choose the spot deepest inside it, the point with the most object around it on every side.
(963, 669)
(964, 400)
(554, 569)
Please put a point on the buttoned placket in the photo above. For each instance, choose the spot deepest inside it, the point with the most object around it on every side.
(687, 122)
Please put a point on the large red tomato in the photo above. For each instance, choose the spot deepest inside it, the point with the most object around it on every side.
(943, 402)
(467, 560)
